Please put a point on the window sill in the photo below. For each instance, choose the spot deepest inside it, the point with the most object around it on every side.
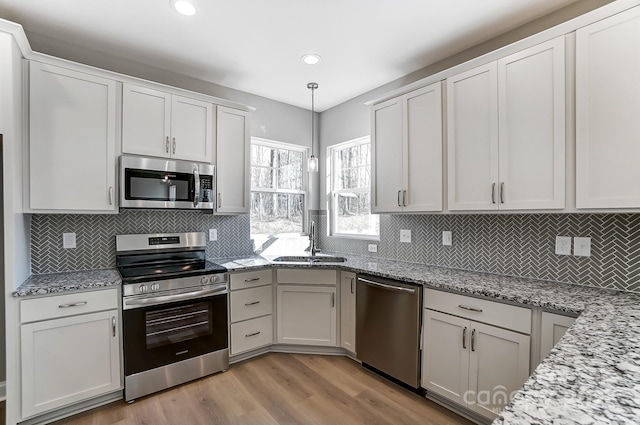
(375, 238)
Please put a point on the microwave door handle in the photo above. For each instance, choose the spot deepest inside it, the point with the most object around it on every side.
(196, 191)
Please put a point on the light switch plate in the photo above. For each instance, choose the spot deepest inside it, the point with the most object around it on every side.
(213, 234)
(563, 245)
(582, 247)
(372, 247)
(405, 236)
(68, 240)
(446, 238)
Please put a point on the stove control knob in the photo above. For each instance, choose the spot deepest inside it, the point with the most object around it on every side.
(155, 287)
(142, 289)
(204, 280)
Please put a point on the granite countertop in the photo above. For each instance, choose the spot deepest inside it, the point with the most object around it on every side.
(592, 376)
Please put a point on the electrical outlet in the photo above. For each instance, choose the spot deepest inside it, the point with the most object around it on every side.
(68, 240)
(446, 238)
(213, 234)
(582, 247)
(373, 247)
(405, 236)
(563, 245)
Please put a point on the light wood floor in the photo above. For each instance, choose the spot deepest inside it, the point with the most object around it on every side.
(279, 389)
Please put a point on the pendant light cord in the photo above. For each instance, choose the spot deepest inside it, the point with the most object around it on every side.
(312, 86)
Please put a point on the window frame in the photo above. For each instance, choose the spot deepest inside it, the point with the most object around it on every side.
(333, 193)
(305, 179)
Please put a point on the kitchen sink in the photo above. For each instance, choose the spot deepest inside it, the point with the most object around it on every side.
(306, 259)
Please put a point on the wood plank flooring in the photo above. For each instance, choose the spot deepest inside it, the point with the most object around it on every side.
(278, 389)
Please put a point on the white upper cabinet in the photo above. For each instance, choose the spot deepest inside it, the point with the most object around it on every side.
(407, 152)
(232, 161)
(72, 141)
(506, 132)
(607, 105)
(155, 123)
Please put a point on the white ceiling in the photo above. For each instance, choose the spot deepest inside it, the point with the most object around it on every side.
(256, 45)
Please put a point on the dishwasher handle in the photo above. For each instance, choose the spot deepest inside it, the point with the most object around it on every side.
(385, 286)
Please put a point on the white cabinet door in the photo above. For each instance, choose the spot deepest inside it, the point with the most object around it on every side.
(306, 315)
(531, 104)
(552, 328)
(607, 105)
(422, 149)
(232, 161)
(472, 139)
(445, 355)
(72, 137)
(146, 121)
(386, 160)
(68, 360)
(498, 366)
(348, 311)
(191, 129)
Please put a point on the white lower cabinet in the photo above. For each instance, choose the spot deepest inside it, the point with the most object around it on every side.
(251, 310)
(474, 364)
(69, 359)
(348, 311)
(552, 328)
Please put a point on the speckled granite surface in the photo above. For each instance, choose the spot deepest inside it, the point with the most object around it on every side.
(591, 377)
(43, 284)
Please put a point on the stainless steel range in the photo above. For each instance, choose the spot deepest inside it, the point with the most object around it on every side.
(174, 311)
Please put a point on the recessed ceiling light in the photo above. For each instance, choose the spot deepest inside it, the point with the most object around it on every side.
(184, 7)
(311, 58)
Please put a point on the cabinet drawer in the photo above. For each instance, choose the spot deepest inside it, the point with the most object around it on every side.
(314, 277)
(494, 313)
(67, 305)
(250, 303)
(251, 279)
(251, 334)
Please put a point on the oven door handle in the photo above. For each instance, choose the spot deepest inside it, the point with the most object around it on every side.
(163, 299)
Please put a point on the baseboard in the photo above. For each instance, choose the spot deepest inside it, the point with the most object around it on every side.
(3, 390)
(74, 409)
(455, 408)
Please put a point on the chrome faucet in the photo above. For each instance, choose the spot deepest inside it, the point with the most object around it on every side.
(312, 238)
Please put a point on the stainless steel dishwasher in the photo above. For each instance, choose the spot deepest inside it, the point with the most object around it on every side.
(388, 318)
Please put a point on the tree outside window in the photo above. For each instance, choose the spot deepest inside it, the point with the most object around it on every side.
(350, 179)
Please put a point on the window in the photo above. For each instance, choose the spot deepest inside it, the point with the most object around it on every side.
(350, 180)
(278, 188)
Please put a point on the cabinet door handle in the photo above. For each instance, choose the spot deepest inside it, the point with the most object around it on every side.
(254, 279)
(399, 204)
(174, 145)
(113, 325)
(333, 299)
(252, 334)
(166, 145)
(78, 304)
(493, 193)
(404, 198)
(353, 289)
(502, 192)
(219, 199)
(466, 307)
(464, 338)
(252, 303)
(473, 340)
(110, 195)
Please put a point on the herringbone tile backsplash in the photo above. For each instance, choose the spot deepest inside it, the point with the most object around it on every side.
(514, 244)
(95, 236)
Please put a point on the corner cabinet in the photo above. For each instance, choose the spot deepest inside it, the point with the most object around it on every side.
(607, 105)
(306, 307)
(160, 124)
(506, 132)
(552, 328)
(70, 349)
(348, 311)
(72, 141)
(232, 161)
(408, 179)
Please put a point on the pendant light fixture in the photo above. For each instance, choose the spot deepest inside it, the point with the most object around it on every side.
(312, 165)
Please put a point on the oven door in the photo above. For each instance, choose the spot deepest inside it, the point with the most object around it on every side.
(161, 334)
(158, 183)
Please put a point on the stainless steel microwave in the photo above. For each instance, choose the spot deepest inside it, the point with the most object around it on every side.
(166, 184)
